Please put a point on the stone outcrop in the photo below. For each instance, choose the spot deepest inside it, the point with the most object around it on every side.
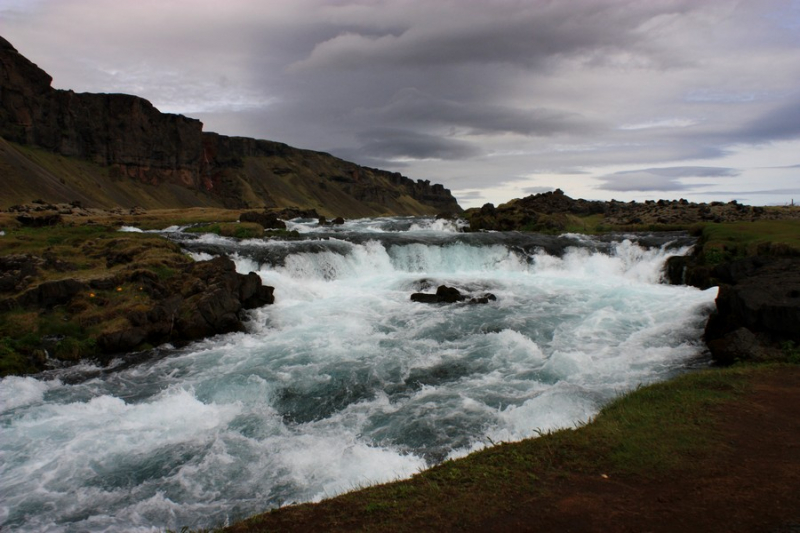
(449, 295)
(549, 212)
(130, 304)
(206, 299)
(758, 309)
(130, 138)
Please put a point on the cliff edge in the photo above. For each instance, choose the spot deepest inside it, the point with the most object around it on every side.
(108, 150)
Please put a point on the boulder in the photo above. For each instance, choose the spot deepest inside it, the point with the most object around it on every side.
(740, 344)
(266, 220)
(762, 297)
(445, 294)
(425, 298)
(449, 294)
(52, 293)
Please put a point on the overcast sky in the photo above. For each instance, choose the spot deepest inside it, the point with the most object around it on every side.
(631, 100)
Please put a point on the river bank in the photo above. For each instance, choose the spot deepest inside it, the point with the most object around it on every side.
(713, 451)
(319, 300)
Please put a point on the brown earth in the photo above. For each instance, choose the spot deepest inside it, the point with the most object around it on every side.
(750, 484)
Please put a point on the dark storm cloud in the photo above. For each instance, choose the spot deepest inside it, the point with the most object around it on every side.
(398, 144)
(411, 106)
(478, 95)
(662, 179)
(526, 34)
(782, 123)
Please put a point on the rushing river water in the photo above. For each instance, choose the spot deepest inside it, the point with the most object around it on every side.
(344, 381)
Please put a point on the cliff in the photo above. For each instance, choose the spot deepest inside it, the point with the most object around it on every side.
(116, 149)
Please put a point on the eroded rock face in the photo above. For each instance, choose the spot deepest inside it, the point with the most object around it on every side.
(758, 308)
(206, 299)
(136, 141)
(265, 220)
(449, 295)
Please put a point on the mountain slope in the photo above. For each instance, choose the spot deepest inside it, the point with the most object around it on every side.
(108, 150)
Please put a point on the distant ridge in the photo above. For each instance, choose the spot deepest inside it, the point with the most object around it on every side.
(108, 150)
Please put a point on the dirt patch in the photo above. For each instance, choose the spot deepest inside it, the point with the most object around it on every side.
(752, 484)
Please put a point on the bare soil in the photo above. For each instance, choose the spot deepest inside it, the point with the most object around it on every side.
(751, 485)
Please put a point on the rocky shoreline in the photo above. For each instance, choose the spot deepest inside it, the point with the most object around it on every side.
(757, 315)
(88, 291)
(73, 287)
(555, 212)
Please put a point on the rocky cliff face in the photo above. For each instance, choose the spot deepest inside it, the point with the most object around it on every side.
(133, 140)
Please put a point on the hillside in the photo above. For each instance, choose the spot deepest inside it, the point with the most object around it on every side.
(108, 150)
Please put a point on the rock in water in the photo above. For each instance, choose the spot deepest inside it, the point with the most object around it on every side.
(449, 295)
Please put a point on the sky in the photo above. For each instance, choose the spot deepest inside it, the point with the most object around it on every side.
(495, 99)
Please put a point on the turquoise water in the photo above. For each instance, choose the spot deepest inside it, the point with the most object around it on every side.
(344, 381)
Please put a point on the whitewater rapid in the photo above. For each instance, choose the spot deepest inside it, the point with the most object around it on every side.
(344, 382)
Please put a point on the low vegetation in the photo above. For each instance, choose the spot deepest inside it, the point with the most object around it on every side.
(87, 253)
(726, 242)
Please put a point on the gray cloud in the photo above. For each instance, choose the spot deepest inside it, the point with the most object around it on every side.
(396, 144)
(413, 107)
(662, 179)
(782, 123)
(538, 190)
(481, 96)
(529, 34)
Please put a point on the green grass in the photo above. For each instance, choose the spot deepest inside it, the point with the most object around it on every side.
(649, 432)
(729, 241)
(239, 230)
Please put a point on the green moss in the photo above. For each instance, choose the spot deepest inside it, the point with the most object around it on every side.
(13, 362)
(239, 230)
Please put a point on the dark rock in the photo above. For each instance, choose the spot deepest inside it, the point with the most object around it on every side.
(445, 294)
(122, 340)
(338, 221)
(18, 271)
(485, 299)
(738, 345)
(40, 221)
(449, 294)
(253, 293)
(51, 293)
(266, 220)
(425, 298)
(762, 296)
(766, 300)
(288, 213)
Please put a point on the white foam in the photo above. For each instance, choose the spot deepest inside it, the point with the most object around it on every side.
(344, 381)
(20, 391)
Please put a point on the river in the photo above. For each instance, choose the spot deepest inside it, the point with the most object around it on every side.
(344, 381)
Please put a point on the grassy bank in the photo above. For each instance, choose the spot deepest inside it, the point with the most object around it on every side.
(649, 433)
(727, 242)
